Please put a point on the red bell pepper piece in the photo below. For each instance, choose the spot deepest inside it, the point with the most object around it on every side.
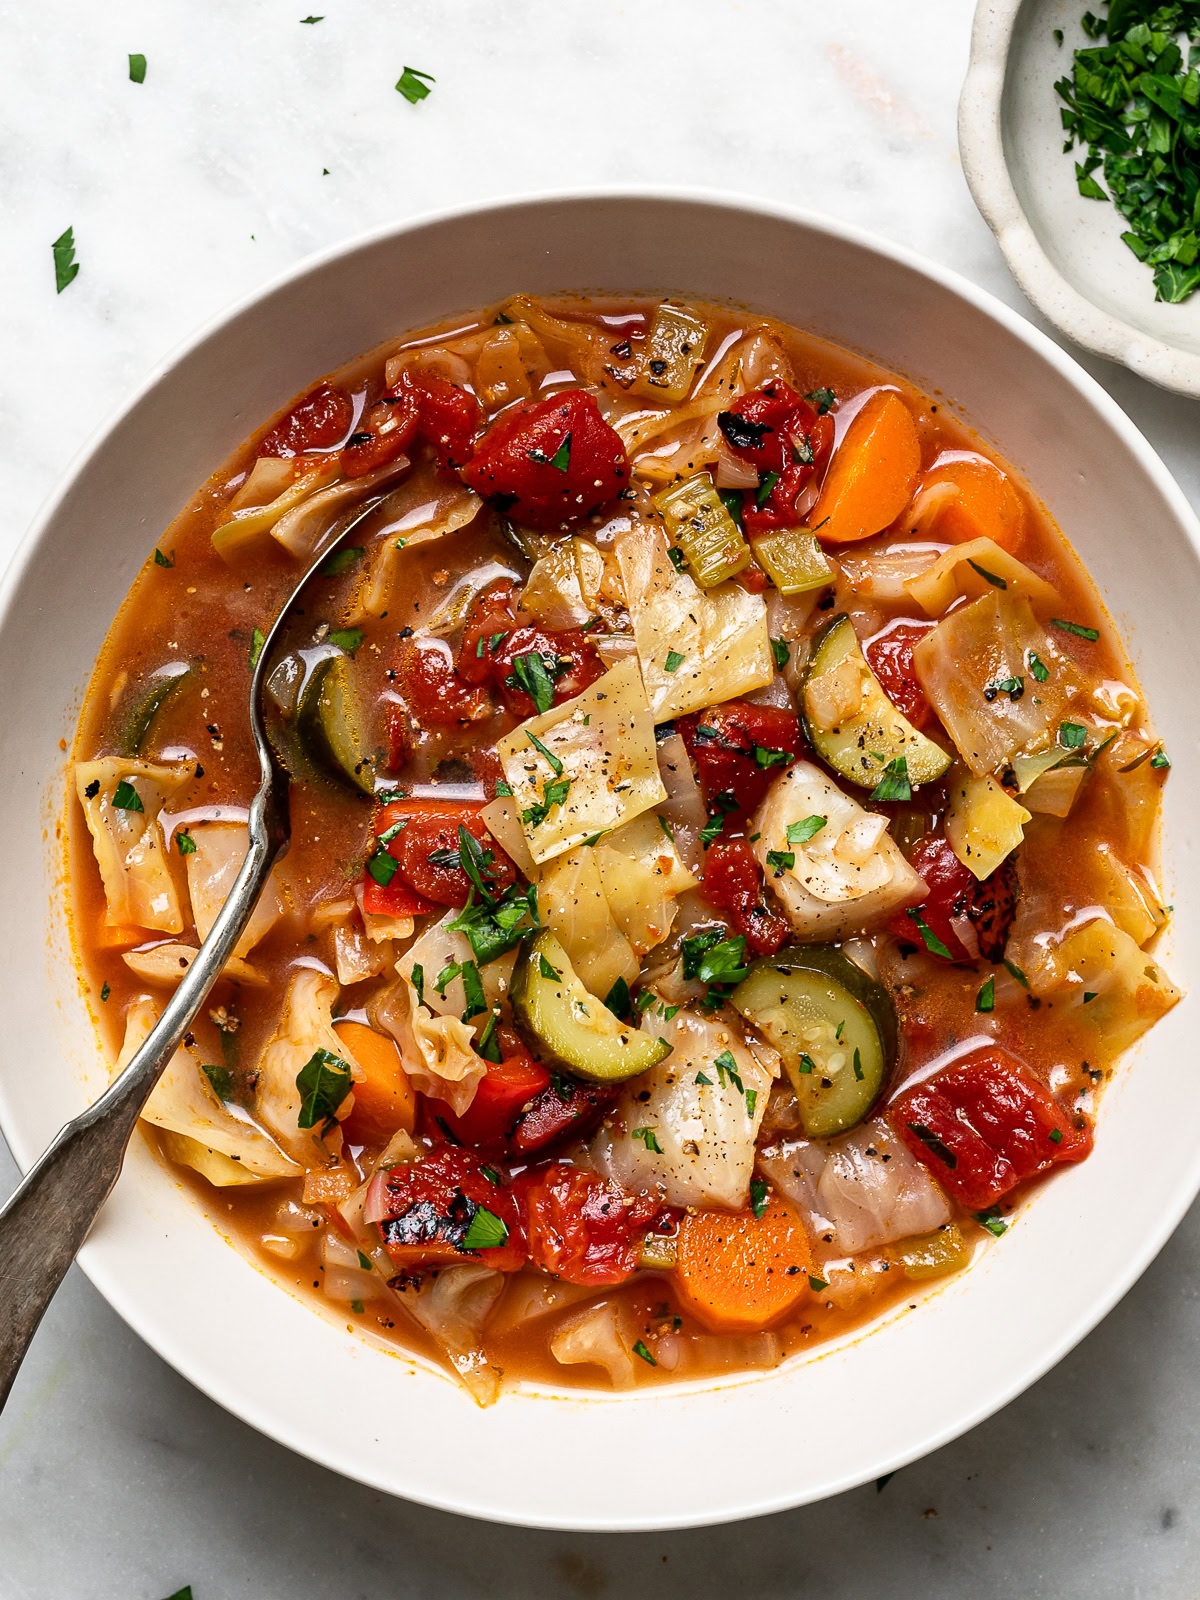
(445, 1208)
(551, 462)
(510, 1085)
(984, 1125)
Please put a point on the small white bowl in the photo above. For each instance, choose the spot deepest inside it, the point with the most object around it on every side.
(1064, 250)
(668, 1457)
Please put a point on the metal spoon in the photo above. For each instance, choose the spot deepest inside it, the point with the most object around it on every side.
(46, 1220)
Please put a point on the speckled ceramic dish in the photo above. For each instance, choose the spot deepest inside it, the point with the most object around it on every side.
(1065, 251)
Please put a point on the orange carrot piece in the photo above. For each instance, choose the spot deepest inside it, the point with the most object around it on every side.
(121, 935)
(871, 476)
(738, 1272)
(384, 1099)
(985, 504)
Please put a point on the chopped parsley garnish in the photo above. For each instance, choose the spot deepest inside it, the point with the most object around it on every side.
(365, 1262)
(997, 583)
(781, 860)
(161, 560)
(347, 639)
(678, 559)
(758, 1196)
(639, 1349)
(928, 937)
(618, 1000)
(766, 484)
(340, 561)
(674, 661)
(703, 1079)
(894, 785)
(491, 1175)
(473, 989)
(414, 86)
(714, 959)
(257, 640)
(476, 862)
(727, 1067)
(765, 759)
(312, 19)
(221, 1079)
(804, 830)
(489, 1045)
(486, 1231)
(1133, 102)
(66, 268)
(858, 1066)
(1072, 735)
(105, 991)
(648, 1138)
(782, 652)
(553, 794)
(816, 1284)
(823, 399)
(1014, 688)
(1014, 971)
(931, 1142)
(547, 971)
(137, 69)
(1159, 760)
(990, 1219)
(556, 765)
(561, 459)
(1076, 628)
(502, 790)
(667, 828)
(1088, 996)
(1055, 1135)
(731, 499)
(184, 843)
(534, 677)
(382, 867)
(985, 1000)
(712, 829)
(1038, 667)
(492, 928)
(357, 1307)
(126, 798)
(417, 979)
(806, 1064)
(324, 1081)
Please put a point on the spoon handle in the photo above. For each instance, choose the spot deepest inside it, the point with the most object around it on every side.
(46, 1220)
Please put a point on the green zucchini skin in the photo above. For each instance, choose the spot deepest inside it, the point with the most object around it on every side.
(571, 1027)
(329, 725)
(797, 999)
(877, 728)
(158, 691)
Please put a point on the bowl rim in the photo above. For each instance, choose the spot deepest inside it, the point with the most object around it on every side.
(106, 1277)
(985, 166)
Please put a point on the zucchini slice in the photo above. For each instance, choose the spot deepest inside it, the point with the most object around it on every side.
(154, 695)
(851, 723)
(834, 1026)
(330, 725)
(569, 1025)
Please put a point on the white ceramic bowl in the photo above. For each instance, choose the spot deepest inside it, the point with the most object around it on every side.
(1064, 250)
(678, 1456)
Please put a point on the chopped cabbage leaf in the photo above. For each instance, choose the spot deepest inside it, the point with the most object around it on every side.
(572, 902)
(553, 593)
(437, 1051)
(958, 572)
(305, 1026)
(249, 517)
(211, 869)
(974, 668)
(453, 1304)
(847, 877)
(439, 947)
(642, 874)
(984, 825)
(301, 529)
(426, 506)
(1130, 989)
(720, 633)
(165, 964)
(595, 1338)
(183, 1102)
(704, 1116)
(130, 850)
(603, 769)
(863, 1186)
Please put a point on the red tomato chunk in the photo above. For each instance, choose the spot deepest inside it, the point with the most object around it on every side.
(955, 893)
(890, 657)
(777, 431)
(739, 749)
(496, 650)
(581, 1227)
(436, 1208)
(433, 690)
(565, 1109)
(318, 422)
(984, 1125)
(426, 849)
(733, 883)
(549, 463)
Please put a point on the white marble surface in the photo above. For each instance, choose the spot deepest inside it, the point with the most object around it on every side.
(117, 1480)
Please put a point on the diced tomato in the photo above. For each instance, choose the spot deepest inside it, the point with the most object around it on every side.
(511, 1084)
(433, 1206)
(581, 1227)
(736, 747)
(567, 1109)
(890, 657)
(427, 854)
(777, 431)
(954, 891)
(386, 430)
(551, 462)
(492, 645)
(433, 690)
(733, 883)
(399, 736)
(448, 416)
(318, 422)
(394, 898)
(984, 1125)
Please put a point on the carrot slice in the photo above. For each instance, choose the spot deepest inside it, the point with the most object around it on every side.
(871, 476)
(984, 503)
(384, 1099)
(739, 1272)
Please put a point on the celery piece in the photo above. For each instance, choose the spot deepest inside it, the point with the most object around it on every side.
(672, 353)
(793, 560)
(930, 1255)
(700, 525)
